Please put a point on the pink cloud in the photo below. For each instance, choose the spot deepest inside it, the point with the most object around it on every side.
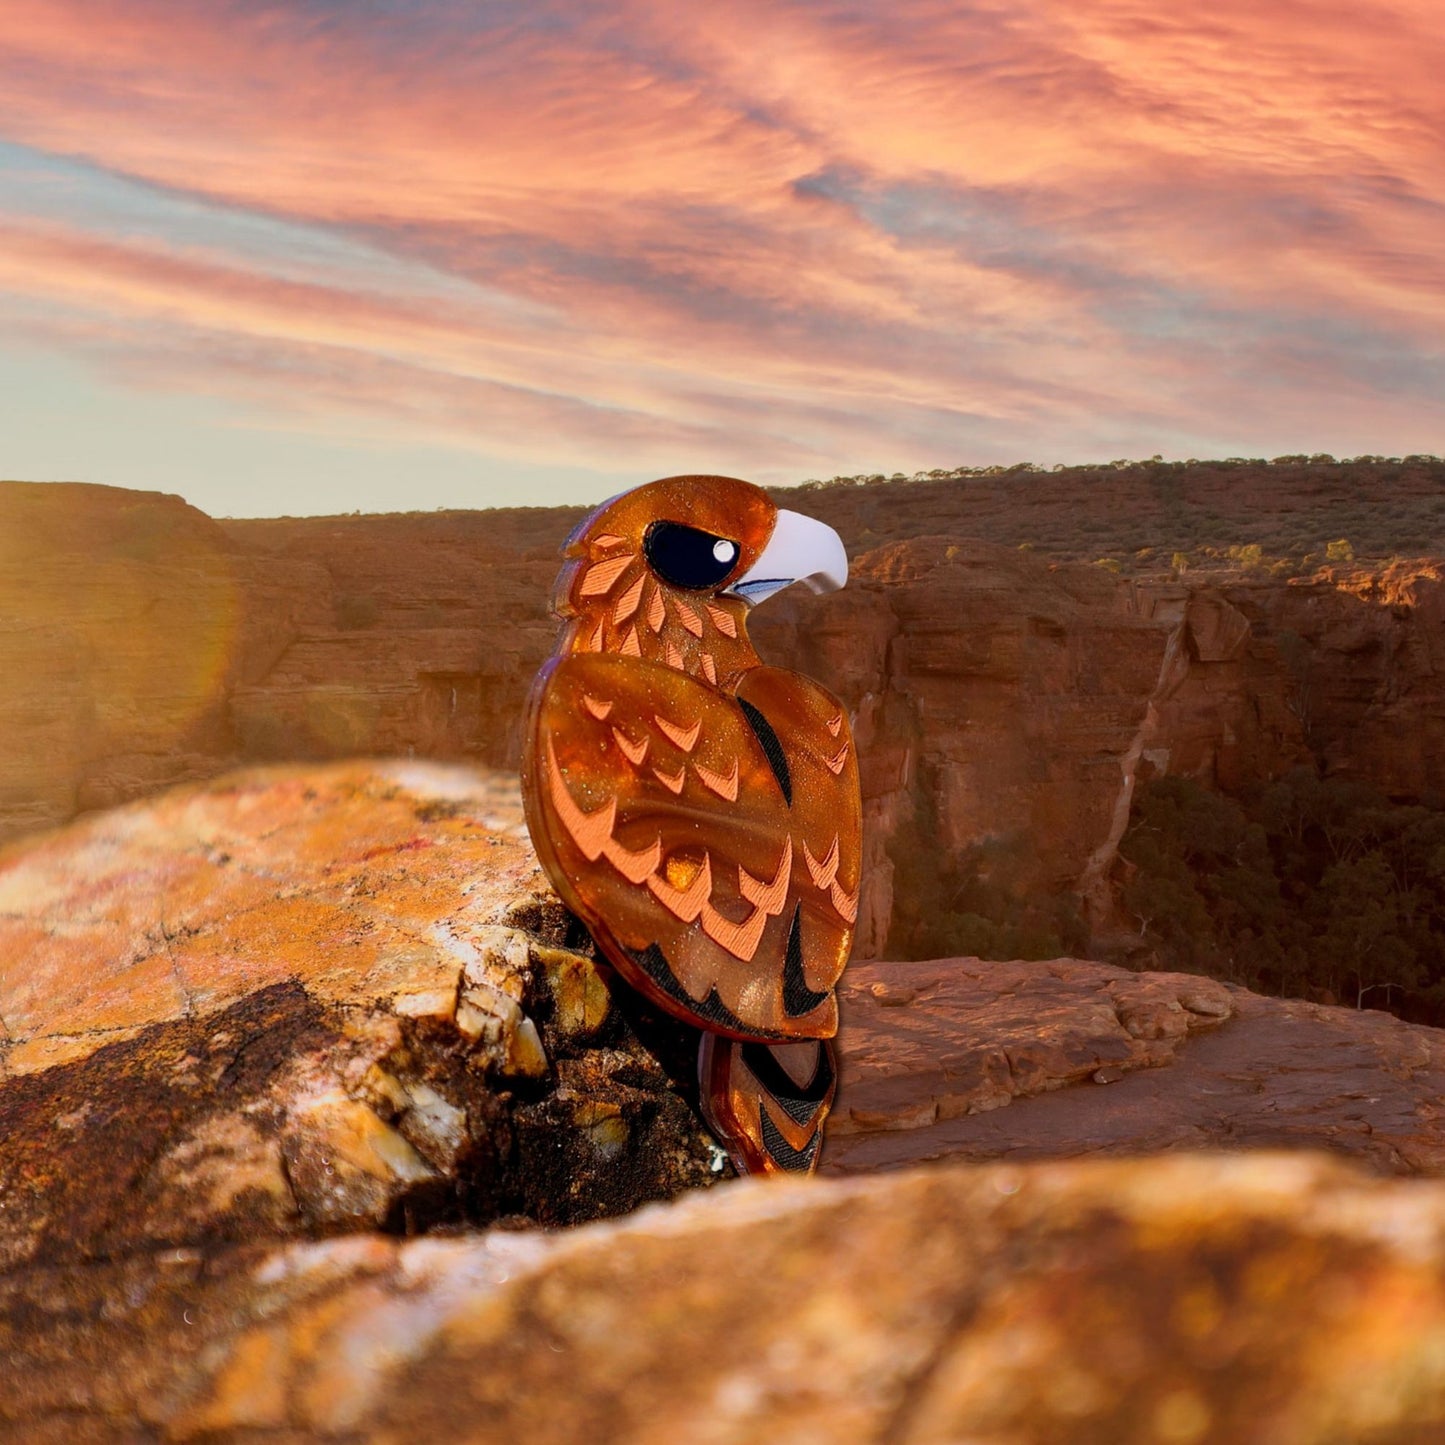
(914, 228)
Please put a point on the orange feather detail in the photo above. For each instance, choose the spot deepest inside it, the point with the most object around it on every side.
(685, 738)
(687, 615)
(673, 781)
(724, 785)
(740, 939)
(768, 896)
(600, 577)
(722, 620)
(634, 752)
(823, 870)
(627, 603)
(592, 832)
(845, 903)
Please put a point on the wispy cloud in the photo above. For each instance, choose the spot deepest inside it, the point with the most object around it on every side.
(771, 237)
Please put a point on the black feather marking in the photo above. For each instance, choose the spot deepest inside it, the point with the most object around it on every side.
(798, 998)
(800, 1103)
(653, 962)
(795, 1161)
(772, 748)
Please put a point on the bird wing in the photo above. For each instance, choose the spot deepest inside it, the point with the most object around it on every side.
(711, 842)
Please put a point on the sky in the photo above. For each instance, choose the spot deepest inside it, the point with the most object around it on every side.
(313, 256)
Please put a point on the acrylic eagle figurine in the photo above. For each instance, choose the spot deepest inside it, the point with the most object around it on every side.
(700, 811)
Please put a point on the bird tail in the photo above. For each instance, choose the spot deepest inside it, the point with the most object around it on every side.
(768, 1103)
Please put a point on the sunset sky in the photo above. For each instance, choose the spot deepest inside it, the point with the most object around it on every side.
(326, 255)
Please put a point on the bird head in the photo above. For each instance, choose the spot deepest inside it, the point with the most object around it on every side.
(669, 570)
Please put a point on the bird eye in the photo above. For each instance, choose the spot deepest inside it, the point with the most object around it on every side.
(688, 557)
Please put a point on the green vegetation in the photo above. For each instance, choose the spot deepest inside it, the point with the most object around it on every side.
(977, 904)
(1282, 518)
(1310, 888)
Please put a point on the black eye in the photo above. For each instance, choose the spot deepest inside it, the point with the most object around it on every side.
(689, 557)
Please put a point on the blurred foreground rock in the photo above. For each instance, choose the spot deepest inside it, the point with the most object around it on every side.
(1262, 1300)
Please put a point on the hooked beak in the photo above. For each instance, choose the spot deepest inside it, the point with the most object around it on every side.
(800, 550)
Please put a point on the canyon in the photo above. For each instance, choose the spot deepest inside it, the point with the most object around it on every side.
(1007, 703)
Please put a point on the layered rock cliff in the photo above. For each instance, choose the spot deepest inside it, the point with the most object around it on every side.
(1006, 705)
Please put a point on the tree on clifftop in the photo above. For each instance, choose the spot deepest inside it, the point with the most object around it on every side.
(1313, 886)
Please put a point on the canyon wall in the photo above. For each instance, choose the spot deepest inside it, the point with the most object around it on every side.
(1005, 705)
(142, 643)
(1006, 708)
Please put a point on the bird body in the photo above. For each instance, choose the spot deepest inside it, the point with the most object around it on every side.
(698, 810)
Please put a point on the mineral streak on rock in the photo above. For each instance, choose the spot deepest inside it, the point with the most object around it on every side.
(1255, 1300)
(297, 1002)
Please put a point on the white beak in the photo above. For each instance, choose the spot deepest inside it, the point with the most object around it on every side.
(800, 550)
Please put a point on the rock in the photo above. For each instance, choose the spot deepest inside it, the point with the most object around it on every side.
(1360, 649)
(925, 1042)
(116, 612)
(292, 1001)
(1191, 1064)
(1191, 1299)
(1006, 708)
(258, 1032)
(157, 645)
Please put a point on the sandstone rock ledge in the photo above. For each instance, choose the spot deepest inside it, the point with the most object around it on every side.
(924, 1043)
(932, 1051)
(255, 1034)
